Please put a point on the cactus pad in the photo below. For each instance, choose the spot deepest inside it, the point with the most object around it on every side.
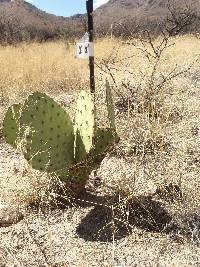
(110, 106)
(103, 140)
(75, 177)
(11, 124)
(47, 134)
(84, 125)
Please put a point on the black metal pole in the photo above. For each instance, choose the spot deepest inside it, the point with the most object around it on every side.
(89, 6)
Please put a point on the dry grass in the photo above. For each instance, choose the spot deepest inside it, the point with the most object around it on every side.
(153, 151)
(47, 67)
(52, 66)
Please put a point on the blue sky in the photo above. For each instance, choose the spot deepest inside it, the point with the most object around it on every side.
(64, 7)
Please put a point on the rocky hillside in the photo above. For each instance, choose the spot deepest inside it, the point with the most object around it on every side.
(20, 20)
(116, 9)
(146, 14)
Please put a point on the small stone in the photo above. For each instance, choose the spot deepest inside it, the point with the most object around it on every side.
(9, 215)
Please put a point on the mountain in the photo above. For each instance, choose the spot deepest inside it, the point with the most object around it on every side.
(146, 14)
(20, 20)
(121, 8)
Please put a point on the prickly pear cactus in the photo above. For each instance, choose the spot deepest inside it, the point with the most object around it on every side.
(11, 124)
(110, 106)
(50, 142)
(47, 134)
(84, 125)
(103, 140)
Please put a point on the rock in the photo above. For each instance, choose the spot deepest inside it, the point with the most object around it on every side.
(9, 215)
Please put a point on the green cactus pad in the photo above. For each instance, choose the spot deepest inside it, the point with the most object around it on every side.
(84, 125)
(11, 124)
(75, 177)
(77, 173)
(103, 140)
(47, 134)
(110, 106)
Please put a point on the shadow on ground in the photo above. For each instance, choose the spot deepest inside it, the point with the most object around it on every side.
(103, 222)
(109, 217)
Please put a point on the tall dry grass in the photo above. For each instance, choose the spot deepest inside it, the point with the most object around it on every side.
(48, 67)
(54, 66)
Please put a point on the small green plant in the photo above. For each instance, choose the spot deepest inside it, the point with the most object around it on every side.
(51, 142)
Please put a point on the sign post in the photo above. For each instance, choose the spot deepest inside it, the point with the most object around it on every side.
(85, 46)
(89, 7)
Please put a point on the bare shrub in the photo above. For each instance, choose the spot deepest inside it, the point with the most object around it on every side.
(153, 114)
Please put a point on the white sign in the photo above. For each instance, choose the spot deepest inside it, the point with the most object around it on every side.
(84, 49)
